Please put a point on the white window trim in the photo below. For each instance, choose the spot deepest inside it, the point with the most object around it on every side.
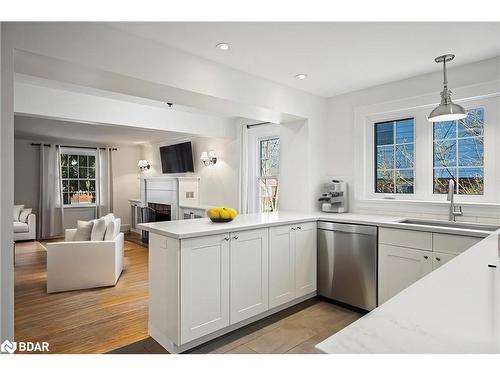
(255, 135)
(365, 118)
(80, 151)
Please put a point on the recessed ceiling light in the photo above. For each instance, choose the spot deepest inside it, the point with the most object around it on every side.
(223, 46)
(301, 76)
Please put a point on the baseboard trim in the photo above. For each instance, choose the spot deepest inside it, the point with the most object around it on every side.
(173, 348)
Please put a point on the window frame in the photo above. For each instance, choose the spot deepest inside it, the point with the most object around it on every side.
(260, 177)
(255, 134)
(457, 167)
(394, 144)
(424, 154)
(79, 152)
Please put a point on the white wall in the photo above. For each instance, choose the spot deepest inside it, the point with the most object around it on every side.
(125, 181)
(218, 183)
(6, 184)
(341, 136)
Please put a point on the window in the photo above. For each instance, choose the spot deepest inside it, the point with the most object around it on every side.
(394, 156)
(459, 154)
(268, 164)
(78, 177)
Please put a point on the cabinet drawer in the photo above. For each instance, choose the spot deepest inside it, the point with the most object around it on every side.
(405, 238)
(453, 244)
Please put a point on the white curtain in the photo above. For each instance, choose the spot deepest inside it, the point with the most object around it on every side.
(104, 182)
(244, 202)
(50, 208)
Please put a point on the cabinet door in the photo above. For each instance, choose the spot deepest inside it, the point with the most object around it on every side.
(204, 286)
(249, 274)
(305, 258)
(399, 267)
(438, 259)
(281, 265)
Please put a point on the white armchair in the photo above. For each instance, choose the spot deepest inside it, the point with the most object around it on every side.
(25, 231)
(73, 265)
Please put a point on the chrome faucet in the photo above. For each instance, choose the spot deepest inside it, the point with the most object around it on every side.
(454, 211)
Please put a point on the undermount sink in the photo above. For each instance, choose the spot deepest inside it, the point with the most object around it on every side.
(451, 224)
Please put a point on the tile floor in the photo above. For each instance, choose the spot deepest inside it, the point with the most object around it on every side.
(295, 330)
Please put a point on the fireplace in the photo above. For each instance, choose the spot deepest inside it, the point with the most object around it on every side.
(155, 212)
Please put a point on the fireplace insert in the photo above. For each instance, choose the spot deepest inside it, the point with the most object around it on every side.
(155, 212)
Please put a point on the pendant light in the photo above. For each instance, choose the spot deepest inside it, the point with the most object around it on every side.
(447, 110)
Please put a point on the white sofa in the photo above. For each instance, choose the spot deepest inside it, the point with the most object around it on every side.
(25, 230)
(73, 265)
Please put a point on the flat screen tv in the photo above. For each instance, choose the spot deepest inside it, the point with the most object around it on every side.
(177, 158)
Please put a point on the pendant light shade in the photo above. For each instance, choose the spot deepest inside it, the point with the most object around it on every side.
(447, 110)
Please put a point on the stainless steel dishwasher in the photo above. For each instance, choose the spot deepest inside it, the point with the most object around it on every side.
(347, 263)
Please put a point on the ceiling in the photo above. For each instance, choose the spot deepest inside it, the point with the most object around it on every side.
(337, 57)
(77, 133)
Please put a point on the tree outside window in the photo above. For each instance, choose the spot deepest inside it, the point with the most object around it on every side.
(394, 156)
(459, 154)
(269, 153)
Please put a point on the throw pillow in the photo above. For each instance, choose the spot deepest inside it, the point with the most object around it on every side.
(83, 230)
(17, 211)
(112, 231)
(98, 230)
(108, 218)
(23, 217)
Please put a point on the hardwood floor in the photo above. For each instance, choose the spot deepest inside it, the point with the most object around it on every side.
(87, 321)
(114, 319)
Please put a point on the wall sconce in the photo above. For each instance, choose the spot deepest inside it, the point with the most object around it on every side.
(208, 158)
(143, 165)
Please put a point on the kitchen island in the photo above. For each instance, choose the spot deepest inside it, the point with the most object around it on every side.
(207, 279)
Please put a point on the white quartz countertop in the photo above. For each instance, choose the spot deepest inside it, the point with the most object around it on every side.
(454, 309)
(199, 227)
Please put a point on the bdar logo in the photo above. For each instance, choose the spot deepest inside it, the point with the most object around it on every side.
(8, 347)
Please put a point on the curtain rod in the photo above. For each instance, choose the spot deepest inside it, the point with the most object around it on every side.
(86, 147)
(258, 124)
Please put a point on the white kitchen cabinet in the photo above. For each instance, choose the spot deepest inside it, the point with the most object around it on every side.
(438, 259)
(204, 285)
(249, 274)
(305, 258)
(281, 265)
(399, 267)
(292, 262)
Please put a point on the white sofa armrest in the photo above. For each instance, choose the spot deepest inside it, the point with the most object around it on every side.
(31, 221)
(119, 254)
(31, 233)
(69, 234)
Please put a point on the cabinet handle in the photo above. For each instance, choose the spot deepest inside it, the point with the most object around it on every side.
(227, 238)
(299, 227)
(438, 259)
(293, 228)
(235, 237)
(426, 257)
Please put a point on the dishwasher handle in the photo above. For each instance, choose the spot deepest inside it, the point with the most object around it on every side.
(348, 228)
